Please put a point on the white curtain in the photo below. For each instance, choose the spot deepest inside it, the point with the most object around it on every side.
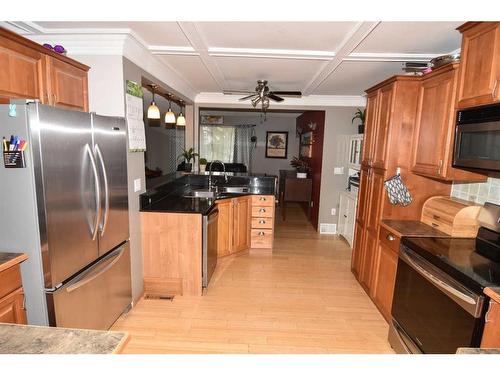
(242, 149)
(217, 143)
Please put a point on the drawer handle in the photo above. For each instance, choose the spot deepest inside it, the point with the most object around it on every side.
(262, 199)
(435, 225)
(262, 221)
(436, 217)
(390, 237)
(262, 210)
(261, 234)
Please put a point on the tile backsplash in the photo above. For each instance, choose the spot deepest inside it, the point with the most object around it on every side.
(488, 191)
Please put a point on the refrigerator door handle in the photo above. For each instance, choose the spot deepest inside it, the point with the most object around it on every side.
(97, 192)
(106, 190)
(94, 273)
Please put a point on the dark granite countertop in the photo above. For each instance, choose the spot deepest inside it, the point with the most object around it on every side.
(8, 260)
(24, 339)
(170, 195)
(412, 228)
(478, 351)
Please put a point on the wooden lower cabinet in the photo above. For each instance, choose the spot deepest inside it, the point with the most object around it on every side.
(234, 225)
(386, 263)
(367, 267)
(357, 253)
(225, 227)
(12, 309)
(491, 333)
(262, 229)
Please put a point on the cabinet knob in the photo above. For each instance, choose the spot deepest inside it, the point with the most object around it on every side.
(262, 210)
(262, 199)
(262, 221)
(390, 237)
(261, 234)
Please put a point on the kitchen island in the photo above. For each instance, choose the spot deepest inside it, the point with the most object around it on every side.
(24, 339)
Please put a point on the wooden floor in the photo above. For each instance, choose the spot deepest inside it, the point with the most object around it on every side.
(300, 298)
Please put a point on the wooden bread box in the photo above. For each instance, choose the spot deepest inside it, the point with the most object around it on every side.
(455, 217)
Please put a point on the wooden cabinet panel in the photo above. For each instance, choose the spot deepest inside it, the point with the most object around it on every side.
(480, 64)
(491, 333)
(367, 262)
(370, 124)
(357, 251)
(385, 276)
(386, 95)
(376, 189)
(67, 85)
(241, 218)
(21, 73)
(12, 308)
(225, 227)
(363, 195)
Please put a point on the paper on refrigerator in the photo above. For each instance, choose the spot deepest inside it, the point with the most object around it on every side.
(135, 124)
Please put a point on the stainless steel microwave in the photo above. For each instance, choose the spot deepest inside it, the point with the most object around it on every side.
(477, 138)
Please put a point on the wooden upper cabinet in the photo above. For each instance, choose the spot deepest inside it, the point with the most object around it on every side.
(30, 71)
(380, 146)
(21, 73)
(370, 124)
(480, 64)
(67, 85)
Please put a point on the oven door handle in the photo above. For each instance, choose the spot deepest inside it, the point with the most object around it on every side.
(470, 302)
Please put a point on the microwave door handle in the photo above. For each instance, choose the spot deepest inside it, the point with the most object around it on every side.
(467, 302)
(97, 188)
(106, 189)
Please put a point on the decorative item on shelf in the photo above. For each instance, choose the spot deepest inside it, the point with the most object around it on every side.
(301, 165)
(170, 115)
(153, 110)
(188, 155)
(444, 59)
(397, 191)
(203, 164)
(57, 48)
(276, 145)
(361, 115)
(181, 120)
(212, 120)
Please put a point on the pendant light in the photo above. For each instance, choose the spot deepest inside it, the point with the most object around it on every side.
(170, 115)
(153, 110)
(181, 120)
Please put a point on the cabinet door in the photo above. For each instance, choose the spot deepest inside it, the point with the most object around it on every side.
(432, 145)
(376, 191)
(21, 73)
(367, 263)
(357, 251)
(241, 215)
(480, 65)
(12, 308)
(491, 333)
(67, 85)
(363, 194)
(382, 127)
(385, 276)
(225, 227)
(370, 127)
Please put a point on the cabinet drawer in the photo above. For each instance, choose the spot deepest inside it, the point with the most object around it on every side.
(10, 280)
(262, 238)
(262, 200)
(389, 239)
(262, 223)
(12, 308)
(437, 222)
(262, 211)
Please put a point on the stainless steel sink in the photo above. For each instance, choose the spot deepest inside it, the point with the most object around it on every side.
(200, 194)
(234, 189)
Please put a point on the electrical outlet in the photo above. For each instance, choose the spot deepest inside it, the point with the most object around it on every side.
(334, 211)
(338, 170)
(137, 184)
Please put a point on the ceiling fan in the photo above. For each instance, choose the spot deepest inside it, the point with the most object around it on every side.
(263, 95)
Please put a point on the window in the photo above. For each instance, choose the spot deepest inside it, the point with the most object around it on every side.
(217, 143)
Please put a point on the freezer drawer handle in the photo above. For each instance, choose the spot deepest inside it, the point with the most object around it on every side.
(113, 259)
(106, 190)
(97, 192)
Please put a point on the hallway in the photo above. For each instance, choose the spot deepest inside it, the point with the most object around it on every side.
(299, 298)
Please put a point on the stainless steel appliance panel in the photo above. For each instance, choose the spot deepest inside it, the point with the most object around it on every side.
(97, 297)
(66, 178)
(111, 157)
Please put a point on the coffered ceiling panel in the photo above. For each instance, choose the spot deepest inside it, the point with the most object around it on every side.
(153, 33)
(316, 36)
(354, 77)
(243, 73)
(192, 69)
(413, 37)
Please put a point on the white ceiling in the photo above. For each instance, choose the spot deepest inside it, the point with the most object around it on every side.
(318, 58)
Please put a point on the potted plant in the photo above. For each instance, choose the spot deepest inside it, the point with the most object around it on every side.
(188, 155)
(302, 166)
(203, 164)
(360, 114)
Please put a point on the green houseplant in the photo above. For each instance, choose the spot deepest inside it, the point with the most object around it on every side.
(301, 165)
(203, 164)
(361, 115)
(188, 155)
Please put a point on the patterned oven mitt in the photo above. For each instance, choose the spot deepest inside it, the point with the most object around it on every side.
(397, 191)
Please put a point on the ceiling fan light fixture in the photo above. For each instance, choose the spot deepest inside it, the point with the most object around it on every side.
(256, 101)
(265, 103)
(153, 110)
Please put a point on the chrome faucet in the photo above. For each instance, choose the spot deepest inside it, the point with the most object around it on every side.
(210, 173)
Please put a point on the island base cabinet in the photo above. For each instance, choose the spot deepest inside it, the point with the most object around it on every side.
(12, 308)
(233, 234)
(262, 222)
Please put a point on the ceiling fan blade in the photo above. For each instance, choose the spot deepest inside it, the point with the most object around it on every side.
(274, 97)
(248, 97)
(287, 93)
(236, 92)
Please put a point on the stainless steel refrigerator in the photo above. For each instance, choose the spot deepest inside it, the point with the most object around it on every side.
(68, 210)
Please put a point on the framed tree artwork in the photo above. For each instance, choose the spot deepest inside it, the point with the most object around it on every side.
(276, 145)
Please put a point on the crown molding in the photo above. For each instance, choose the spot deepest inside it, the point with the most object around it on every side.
(215, 98)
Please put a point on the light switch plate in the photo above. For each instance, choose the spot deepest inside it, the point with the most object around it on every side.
(338, 170)
(334, 211)
(137, 184)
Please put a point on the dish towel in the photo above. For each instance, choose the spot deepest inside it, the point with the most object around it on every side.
(397, 191)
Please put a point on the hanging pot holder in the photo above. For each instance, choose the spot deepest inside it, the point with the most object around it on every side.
(397, 191)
